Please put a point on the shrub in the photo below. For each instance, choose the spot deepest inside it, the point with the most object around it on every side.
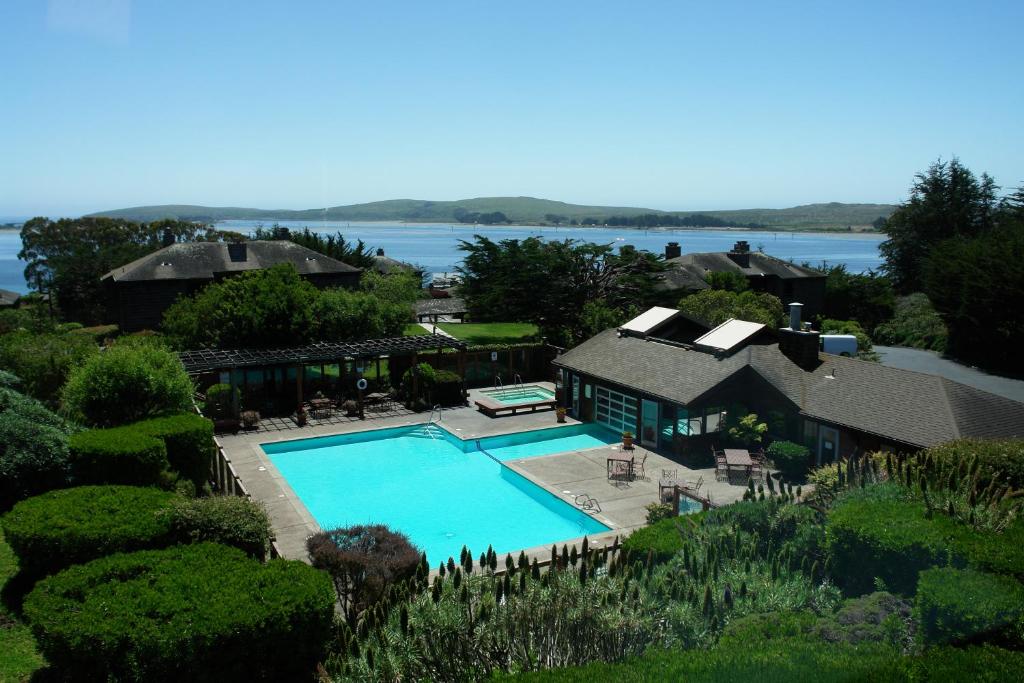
(999, 460)
(658, 511)
(126, 384)
(43, 361)
(825, 480)
(915, 324)
(999, 553)
(876, 617)
(792, 459)
(664, 539)
(201, 612)
(229, 520)
(122, 455)
(189, 442)
(33, 448)
(876, 533)
(363, 562)
(957, 606)
(8, 380)
(70, 526)
(220, 402)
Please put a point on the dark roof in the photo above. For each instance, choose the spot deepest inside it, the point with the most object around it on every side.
(203, 260)
(899, 405)
(446, 306)
(689, 270)
(8, 298)
(385, 265)
(209, 360)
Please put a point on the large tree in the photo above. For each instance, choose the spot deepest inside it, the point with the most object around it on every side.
(867, 297)
(355, 254)
(548, 283)
(946, 201)
(67, 257)
(715, 306)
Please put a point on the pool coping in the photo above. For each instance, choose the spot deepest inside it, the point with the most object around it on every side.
(293, 523)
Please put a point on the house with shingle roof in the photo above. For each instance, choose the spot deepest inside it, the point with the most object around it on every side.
(677, 394)
(9, 299)
(687, 273)
(138, 293)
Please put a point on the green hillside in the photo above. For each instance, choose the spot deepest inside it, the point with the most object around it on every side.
(517, 209)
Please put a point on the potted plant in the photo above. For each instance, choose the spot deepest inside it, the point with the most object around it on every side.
(627, 440)
(250, 419)
(351, 408)
(560, 413)
(300, 417)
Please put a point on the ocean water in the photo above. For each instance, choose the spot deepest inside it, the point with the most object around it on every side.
(441, 492)
(435, 246)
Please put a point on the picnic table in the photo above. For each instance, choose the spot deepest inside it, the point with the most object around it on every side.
(320, 407)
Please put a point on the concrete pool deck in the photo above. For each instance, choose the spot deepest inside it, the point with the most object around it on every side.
(623, 503)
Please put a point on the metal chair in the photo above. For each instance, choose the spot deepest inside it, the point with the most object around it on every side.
(639, 465)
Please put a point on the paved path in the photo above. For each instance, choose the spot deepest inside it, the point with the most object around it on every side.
(934, 364)
(433, 329)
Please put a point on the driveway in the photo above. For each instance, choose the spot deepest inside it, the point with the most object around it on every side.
(934, 364)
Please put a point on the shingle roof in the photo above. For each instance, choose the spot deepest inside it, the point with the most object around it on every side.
(202, 260)
(386, 265)
(8, 298)
(900, 405)
(689, 270)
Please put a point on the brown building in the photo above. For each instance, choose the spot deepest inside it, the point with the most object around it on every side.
(676, 395)
(688, 273)
(137, 294)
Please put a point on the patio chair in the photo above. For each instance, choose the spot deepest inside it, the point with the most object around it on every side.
(757, 472)
(721, 470)
(638, 464)
(669, 474)
(695, 485)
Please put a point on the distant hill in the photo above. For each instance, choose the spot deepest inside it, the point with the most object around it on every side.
(517, 209)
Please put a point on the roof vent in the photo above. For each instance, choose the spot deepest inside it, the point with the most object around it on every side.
(311, 258)
(165, 263)
(238, 251)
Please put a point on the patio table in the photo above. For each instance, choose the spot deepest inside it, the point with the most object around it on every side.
(320, 407)
(739, 460)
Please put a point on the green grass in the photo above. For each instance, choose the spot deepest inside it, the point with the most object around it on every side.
(19, 657)
(491, 333)
(413, 330)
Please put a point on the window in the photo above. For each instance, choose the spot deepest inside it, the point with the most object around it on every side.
(715, 419)
(616, 411)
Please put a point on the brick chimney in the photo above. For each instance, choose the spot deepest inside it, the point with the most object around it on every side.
(798, 344)
(380, 251)
(740, 254)
(673, 250)
(167, 238)
(238, 251)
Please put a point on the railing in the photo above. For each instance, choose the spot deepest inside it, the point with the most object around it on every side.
(518, 382)
(498, 386)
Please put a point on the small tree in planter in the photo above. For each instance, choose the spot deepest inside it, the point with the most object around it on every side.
(791, 459)
(747, 431)
(627, 440)
(250, 419)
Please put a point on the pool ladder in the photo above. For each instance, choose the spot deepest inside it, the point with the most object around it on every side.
(518, 382)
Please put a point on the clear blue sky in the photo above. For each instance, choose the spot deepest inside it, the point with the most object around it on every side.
(671, 105)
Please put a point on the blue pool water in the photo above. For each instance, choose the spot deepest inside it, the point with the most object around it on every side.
(441, 492)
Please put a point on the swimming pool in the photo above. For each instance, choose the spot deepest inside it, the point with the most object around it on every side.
(439, 490)
(513, 396)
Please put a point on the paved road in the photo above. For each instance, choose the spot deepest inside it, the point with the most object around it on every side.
(934, 364)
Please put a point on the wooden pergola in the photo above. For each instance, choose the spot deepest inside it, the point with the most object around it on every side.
(206, 361)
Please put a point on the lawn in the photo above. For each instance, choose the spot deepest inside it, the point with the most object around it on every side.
(414, 330)
(491, 333)
(18, 654)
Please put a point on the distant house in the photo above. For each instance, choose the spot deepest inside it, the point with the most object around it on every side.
(385, 265)
(688, 273)
(9, 299)
(137, 294)
(440, 309)
(676, 394)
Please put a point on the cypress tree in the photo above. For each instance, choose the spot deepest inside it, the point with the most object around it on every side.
(484, 564)
(565, 557)
(499, 591)
(451, 565)
(508, 562)
(522, 563)
(743, 589)
(462, 556)
(573, 556)
(457, 578)
(403, 620)
(522, 582)
(441, 570)
(554, 558)
(727, 597)
(708, 605)
(535, 570)
(507, 584)
(585, 550)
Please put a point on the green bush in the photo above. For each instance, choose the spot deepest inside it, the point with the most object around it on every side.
(229, 520)
(959, 606)
(69, 526)
(791, 459)
(915, 324)
(33, 448)
(189, 442)
(876, 532)
(999, 553)
(664, 539)
(876, 617)
(998, 460)
(121, 455)
(126, 384)
(220, 403)
(201, 612)
(44, 360)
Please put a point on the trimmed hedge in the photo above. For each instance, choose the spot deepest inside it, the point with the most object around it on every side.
(230, 520)
(33, 448)
(791, 459)
(70, 526)
(140, 453)
(200, 612)
(189, 442)
(121, 455)
(957, 607)
(876, 532)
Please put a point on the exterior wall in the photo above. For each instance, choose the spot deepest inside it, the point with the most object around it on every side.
(851, 442)
(810, 291)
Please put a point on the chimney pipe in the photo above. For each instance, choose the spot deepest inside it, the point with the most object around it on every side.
(380, 251)
(794, 316)
(673, 250)
(740, 254)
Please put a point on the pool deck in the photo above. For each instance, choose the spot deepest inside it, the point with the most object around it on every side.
(564, 475)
